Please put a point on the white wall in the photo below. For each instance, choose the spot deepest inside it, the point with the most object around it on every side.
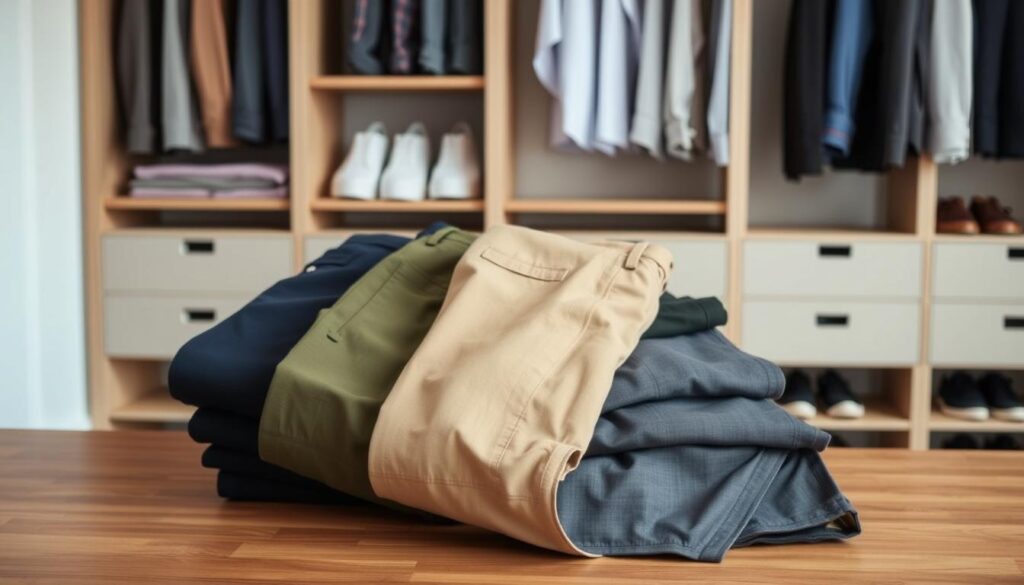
(42, 338)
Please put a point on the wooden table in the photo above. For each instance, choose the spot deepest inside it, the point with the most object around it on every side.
(135, 507)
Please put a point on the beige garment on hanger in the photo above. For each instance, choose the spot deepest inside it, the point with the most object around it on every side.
(211, 71)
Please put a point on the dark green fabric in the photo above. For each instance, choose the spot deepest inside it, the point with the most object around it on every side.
(685, 315)
(327, 392)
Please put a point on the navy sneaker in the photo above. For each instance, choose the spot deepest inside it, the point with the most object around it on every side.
(837, 397)
(798, 399)
(1002, 401)
(960, 397)
(960, 441)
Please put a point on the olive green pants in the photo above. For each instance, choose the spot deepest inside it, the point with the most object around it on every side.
(326, 393)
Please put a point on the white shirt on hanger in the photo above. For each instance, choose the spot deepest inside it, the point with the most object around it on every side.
(565, 61)
(686, 39)
(618, 62)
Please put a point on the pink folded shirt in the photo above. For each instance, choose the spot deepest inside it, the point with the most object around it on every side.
(163, 193)
(276, 173)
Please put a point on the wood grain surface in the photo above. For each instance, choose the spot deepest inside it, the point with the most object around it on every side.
(135, 507)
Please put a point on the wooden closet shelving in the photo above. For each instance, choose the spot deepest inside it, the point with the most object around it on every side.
(397, 83)
(188, 204)
(940, 422)
(122, 390)
(617, 206)
(376, 206)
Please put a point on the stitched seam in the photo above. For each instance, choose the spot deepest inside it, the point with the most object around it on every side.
(545, 273)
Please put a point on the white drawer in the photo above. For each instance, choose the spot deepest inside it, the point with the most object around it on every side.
(701, 268)
(971, 335)
(832, 332)
(979, 271)
(155, 327)
(195, 261)
(832, 269)
(701, 264)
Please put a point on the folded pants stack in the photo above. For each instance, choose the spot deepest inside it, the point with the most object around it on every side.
(501, 381)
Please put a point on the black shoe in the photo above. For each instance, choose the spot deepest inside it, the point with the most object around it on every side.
(960, 441)
(837, 397)
(838, 441)
(1003, 442)
(1002, 401)
(798, 399)
(960, 397)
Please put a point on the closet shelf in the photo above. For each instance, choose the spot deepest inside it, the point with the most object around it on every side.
(189, 204)
(941, 422)
(157, 407)
(618, 206)
(878, 416)
(795, 232)
(397, 83)
(1015, 240)
(377, 205)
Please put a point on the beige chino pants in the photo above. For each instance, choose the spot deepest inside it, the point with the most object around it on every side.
(500, 400)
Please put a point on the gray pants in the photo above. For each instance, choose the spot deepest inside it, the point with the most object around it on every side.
(452, 40)
(692, 457)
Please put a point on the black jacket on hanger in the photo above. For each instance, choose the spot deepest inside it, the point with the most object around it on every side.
(1011, 86)
(990, 18)
(804, 89)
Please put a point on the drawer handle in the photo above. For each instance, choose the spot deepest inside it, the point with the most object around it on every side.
(835, 251)
(1013, 322)
(832, 320)
(200, 315)
(198, 247)
(1015, 253)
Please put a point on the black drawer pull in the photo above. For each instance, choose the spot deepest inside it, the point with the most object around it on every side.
(835, 251)
(832, 320)
(1013, 322)
(198, 247)
(1015, 253)
(200, 315)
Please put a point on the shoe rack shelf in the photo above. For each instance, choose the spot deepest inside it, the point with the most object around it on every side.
(941, 422)
(706, 209)
(879, 416)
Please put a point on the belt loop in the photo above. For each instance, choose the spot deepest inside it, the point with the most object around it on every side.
(436, 237)
(635, 253)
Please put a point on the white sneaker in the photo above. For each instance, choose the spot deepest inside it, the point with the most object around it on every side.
(457, 172)
(405, 177)
(359, 175)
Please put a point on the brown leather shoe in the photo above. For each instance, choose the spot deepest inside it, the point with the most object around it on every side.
(993, 217)
(953, 217)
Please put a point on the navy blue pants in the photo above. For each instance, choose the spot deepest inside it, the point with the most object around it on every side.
(228, 368)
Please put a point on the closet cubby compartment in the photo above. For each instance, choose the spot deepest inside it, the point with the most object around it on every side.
(887, 397)
(332, 103)
(551, 187)
(897, 202)
(987, 177)
(941, 422)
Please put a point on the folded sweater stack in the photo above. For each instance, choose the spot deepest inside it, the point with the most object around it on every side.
(201, 181)
(518, 381)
